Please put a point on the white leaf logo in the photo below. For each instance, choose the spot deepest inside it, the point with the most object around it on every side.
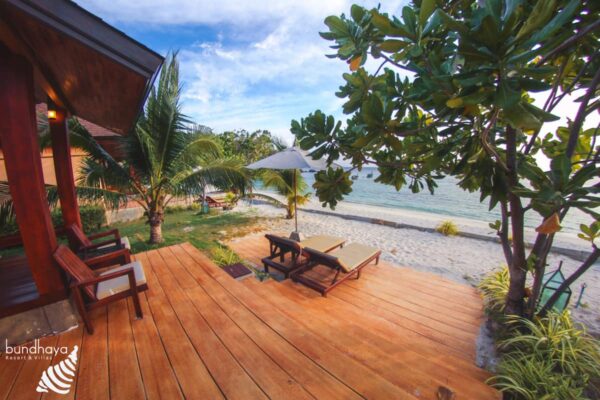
(59, 377)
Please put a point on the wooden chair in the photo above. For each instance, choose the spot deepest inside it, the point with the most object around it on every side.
(95, 289)
(346, 262)
(280, 246)
(116, 250)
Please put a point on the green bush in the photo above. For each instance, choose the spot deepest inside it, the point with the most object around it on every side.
(447, 228)
(549, 358)
(92, 219)
(494, 288)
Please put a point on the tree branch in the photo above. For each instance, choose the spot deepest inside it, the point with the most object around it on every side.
(581, 114)
(503, 233)
(488, 148)
(570, 41)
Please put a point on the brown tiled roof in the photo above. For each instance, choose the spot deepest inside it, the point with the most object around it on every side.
(93, 129)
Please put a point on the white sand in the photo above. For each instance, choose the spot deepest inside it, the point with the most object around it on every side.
(457, 258)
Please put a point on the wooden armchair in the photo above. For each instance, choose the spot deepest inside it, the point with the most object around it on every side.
(115, 250)
(95, 289)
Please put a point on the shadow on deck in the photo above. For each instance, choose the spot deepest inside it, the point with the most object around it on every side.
(396, 334)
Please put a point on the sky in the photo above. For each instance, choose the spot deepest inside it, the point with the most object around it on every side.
(244, 64)
(254, 64)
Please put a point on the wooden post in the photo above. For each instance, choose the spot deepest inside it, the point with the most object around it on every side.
(63, 167)
(18, 128)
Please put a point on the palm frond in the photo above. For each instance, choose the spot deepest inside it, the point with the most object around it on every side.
(222, 173)
(266, 197)
(282, 181)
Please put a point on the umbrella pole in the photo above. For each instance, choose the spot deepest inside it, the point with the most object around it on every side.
(296, 200)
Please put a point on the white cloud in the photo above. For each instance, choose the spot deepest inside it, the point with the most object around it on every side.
(266, 66)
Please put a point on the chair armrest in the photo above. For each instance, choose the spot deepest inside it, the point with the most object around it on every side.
(107, 277)
(112, 232)
(125, 253)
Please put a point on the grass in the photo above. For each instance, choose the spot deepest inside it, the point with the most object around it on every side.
(203, 231)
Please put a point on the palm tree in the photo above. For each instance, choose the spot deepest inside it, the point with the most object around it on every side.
(163, 159)
(282, 181)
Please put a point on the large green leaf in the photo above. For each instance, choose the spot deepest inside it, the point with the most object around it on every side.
(427, 8)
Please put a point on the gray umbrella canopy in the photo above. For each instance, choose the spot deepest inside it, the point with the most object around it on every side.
(290, 158)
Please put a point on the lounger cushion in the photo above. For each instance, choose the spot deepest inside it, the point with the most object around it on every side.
(120, 284)
(322, 243)
(353, 255)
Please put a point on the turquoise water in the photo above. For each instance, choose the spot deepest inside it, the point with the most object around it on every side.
(448, 200)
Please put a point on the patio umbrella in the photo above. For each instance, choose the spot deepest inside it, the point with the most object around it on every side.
(290, 158)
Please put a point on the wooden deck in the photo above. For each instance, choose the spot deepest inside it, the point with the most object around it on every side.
(18, 291)
(396, 334)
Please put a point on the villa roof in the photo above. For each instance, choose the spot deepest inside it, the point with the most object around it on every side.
(81, 63)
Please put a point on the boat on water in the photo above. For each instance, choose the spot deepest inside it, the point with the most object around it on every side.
(354, 177)
(369, 175)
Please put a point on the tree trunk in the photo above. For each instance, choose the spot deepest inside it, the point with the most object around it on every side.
(290, 211)
(518, 266)
(541, 248)
(156, 233)
(155, 219)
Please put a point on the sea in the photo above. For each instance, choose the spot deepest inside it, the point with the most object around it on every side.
(448, 200)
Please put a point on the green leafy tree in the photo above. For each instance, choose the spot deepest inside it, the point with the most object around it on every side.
(282, 181)
(249, 146)
(163, 159)
(453, 96)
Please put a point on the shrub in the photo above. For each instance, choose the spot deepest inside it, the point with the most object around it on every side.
(194, 207)
(548, 358)
(92, 219)
(223, 256)
(529, 378)
(494, 288)
(447, 228)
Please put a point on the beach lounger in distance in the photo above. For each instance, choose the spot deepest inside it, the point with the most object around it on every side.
(346, 262)
(280, 246)
(96, 289)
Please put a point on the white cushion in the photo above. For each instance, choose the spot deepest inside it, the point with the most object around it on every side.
(120, 284)
(124, 242)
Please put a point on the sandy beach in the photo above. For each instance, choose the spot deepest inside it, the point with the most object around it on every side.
(458, 258)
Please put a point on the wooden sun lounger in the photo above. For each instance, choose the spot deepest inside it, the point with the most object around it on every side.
(346, 262)
(280, 246)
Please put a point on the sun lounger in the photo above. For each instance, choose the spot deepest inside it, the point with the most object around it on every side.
(346, 262)
(280, 246)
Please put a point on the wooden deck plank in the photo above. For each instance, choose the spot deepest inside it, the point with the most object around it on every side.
(193, 376)
(392, 356)
(394, 333)
(122, 355)
(341, 365)
(67, 340)
(233, 380)
(29, 375)
(316, 380)
(93, 377)
(9, 370)
(157, 372)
